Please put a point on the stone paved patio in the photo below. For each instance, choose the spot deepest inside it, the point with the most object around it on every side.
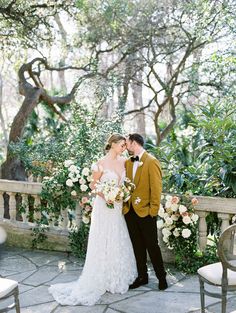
(36, 270)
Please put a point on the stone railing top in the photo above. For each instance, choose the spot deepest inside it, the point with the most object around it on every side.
(20, 186)
(216, 204)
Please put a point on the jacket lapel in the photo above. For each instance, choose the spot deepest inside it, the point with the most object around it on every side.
(139, 169)
(129, 169)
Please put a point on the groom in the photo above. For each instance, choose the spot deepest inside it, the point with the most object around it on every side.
(142, 208)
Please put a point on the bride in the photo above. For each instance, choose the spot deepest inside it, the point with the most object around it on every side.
(110, 263)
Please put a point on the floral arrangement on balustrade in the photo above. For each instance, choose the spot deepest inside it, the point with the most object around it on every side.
(67, 183)
(178, 223)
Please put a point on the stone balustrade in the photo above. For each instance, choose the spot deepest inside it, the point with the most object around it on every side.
(19, 201)
(19, 226)
(225, 209)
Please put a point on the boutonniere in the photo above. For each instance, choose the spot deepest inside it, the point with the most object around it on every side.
(140, 164)
(137, 200)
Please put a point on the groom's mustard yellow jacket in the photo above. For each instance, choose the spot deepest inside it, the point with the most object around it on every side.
(148, 181)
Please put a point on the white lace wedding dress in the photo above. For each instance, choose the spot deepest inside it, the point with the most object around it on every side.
(110, 263)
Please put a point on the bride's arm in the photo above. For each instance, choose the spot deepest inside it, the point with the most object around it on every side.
(97, 171)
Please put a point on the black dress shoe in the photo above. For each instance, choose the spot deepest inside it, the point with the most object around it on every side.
(139, 281)
(163, 284)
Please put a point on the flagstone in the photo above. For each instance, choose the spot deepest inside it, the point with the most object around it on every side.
(21, 276)
(37, 295)
(42, 275)
(17, 263)
(159, 301)
(81, 309)
(108, 298)
(41, 308)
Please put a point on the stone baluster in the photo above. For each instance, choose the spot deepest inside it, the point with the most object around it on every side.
(64, 219)
(225, 218)
(12, 205)
(37, 203)
(78, 214)
(202, 227)
(25, 205)
(51, 219)
(1, 205)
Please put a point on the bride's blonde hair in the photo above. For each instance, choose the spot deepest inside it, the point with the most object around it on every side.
(114, 138)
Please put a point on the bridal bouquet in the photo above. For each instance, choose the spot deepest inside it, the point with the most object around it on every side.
(113, 192)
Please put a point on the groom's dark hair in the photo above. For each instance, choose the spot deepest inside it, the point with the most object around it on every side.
(136, 137)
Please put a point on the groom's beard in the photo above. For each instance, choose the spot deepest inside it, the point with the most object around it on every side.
(130, 152)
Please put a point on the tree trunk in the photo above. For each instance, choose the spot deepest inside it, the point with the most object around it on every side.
(140, 124)
(3, 126)
(13, 168)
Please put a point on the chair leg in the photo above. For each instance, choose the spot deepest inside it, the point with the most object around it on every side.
(202, 295)
(16, 296)
(224, 300)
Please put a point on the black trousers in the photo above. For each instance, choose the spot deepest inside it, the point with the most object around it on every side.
(143, 234)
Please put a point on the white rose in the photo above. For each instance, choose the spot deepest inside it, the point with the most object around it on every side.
(73, 168)
(73, 177)
(176, 232)
(85, 219)
(69, 183)
(160, 224)
(73, 193)
(84, 188)
(68, 163)
(169, 221)
(174, 207)
(166, 232)
(187, 220)
(174, 217)
(85, 171)
(186, 232)
(168, 204)
(194, 218)
(169, 198)
(82, 181)
(161, 211)
(165, 239)
(182, 208)
(90, 178)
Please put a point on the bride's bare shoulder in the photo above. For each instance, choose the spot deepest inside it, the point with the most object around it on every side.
(98, 166)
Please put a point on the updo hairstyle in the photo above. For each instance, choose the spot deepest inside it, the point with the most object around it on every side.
(114, 138)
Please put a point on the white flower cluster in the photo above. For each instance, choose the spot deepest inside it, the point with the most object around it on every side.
(113, 192)
(77, 177)
(176, 219)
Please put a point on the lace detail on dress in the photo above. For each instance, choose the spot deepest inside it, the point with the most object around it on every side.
(110, 263)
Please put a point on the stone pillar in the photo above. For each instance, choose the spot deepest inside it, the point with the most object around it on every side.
(64, 218)
(25, 205)
(225, 218)
(78, 214)
(202, 227)
(1, 205)
(37, 203)
(12, 205)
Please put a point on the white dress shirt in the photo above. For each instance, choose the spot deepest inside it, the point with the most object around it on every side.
(136, 163)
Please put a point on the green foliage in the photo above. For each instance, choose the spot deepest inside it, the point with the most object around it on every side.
(38, 234)
(190, 263)
(199, 155)
(78, 239)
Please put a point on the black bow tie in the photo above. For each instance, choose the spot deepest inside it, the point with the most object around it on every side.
(133, 159)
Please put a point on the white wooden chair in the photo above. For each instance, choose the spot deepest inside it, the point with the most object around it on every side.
(9, 288)
(223, 273)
